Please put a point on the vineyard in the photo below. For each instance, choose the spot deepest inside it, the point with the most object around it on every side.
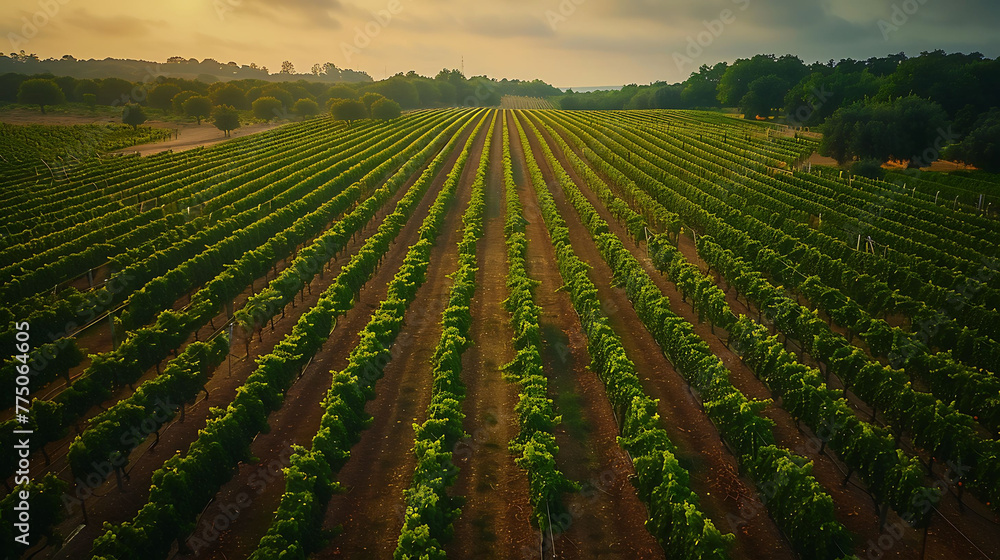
(521, 102)
(495, 333)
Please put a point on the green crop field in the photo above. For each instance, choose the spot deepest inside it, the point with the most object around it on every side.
(496, 333)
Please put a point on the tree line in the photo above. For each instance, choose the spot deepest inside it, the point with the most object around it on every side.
(223, 102)
(884, 108)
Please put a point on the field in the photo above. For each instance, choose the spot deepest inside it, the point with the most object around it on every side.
(521, 102)
(497, 333)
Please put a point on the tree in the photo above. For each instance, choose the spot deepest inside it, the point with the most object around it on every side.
(306, 108)
(279, 93)
(287, 67)
(266, 108)
(401, 90)
(41, 92)
(161, 96)
(427, 92)
(89, 99)
(84, 87)
(735, 82)
(198, 106)
(909, 129)
(763, 95)
(317, 69)
(370, 98)
(981, 147)
(132, 114)
(177, 101)
(225, 118)
(700, 88)
(341, 92)
(112, 91)
(230, 95)
(347, 110)
(68, 86)
(818, 95)
(385, 109)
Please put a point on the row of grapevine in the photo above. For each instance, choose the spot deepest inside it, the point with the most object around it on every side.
(934, 425)
(269, 191)
(147, 346)
(185, 483)
(430, 510)
(934, 308)
(107, 439)
(804, 193)
(57, 318)
(802, 509)
(903, 490)
(309, 482)
(175, 261)
(675, 519)
(535, 444)
(894, 478)
(723, 229)
(161, 181)
(940, 429)
(79, 188)
(45, 503)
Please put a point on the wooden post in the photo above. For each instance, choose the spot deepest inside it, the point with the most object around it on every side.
(111, 324)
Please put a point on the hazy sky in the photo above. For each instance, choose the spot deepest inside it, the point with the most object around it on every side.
(564, 42)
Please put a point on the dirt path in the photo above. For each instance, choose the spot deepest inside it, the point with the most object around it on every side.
(190, 136)
(713, 469)
(381, 464)
(494, 522)
(222, 389)
(607, 517)
(854, 506)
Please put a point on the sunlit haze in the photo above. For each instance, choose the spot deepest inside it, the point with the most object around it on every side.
(567, 43)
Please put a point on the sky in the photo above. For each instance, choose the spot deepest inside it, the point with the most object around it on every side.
(563, 42)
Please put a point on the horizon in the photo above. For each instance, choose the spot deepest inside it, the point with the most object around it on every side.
(567, 42)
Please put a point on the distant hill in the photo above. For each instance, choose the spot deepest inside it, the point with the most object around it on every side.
(207, 70)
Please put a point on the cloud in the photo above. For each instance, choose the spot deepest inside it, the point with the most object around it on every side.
(290, 14)
(508, 27)
(599, 42)
(110, 25)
